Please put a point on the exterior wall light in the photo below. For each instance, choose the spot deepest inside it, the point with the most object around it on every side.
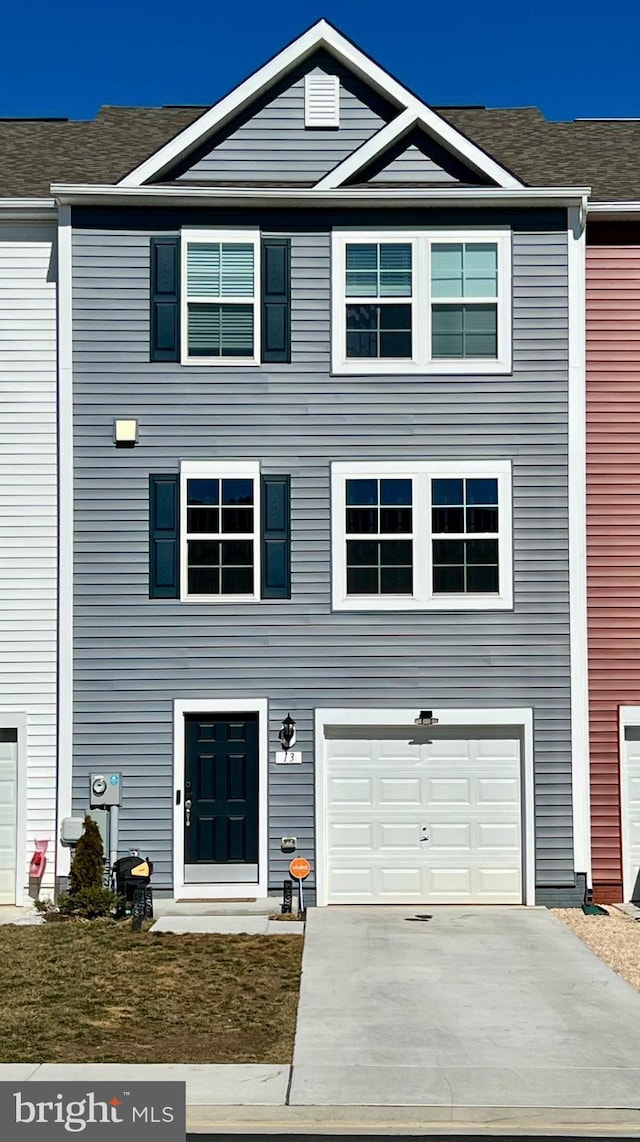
(425, 718)
(125, 433)
(287, 733)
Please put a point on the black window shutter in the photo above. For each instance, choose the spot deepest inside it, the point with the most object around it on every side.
(276, 537)
(164, 537)
(165, 299)
(276, 299)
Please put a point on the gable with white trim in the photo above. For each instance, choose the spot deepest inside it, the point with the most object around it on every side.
(264, 131)
(271, 142)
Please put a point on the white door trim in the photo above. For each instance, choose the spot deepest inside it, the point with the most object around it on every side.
(628, 716)
(521, 718)
(182, 706)
(17, 720)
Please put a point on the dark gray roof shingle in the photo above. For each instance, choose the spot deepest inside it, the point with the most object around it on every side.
(602, 154)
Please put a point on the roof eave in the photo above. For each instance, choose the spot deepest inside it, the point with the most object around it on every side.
(621, 211)
(27, 209)
(88, 195)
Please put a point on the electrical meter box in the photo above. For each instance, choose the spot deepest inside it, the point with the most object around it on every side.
(104, 790)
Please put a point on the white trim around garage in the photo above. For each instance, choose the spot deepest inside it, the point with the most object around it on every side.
(220, 891)
(580, 777)
(65, 533)
(521, 718)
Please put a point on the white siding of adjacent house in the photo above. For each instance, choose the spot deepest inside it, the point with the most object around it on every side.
(28, 519)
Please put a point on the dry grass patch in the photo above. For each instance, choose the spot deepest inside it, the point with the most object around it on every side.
(99, 993)
(614, 938)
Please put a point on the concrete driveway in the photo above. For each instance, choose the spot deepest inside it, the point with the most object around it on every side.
(500, 1007)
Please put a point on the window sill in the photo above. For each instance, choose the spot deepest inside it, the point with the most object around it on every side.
(441, 603)
(217, 600)
(221, 362)
(375, 367)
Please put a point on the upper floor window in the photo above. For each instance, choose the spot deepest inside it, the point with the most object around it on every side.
(422, 536)
(220, 530)
(220, 314)
(421, 302)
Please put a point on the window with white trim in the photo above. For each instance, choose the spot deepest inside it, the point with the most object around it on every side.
(220, 531)
(425, 536)
(220, 310)
(421, 301)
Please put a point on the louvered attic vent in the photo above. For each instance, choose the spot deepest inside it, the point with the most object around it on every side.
(321, 101)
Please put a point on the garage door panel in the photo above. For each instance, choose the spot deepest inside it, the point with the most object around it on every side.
(463, 794)
(398, 835)
(499, 836)
(497, 882)
(448, 790)
(449, 836)
(394, 789)
(497, 791)
(351, 834)
(352, 791)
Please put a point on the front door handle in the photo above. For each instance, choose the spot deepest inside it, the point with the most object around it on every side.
(187, 814)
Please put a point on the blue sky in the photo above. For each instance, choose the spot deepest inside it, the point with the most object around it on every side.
(570, 59)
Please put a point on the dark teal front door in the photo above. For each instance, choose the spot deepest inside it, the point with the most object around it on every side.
(221, 798)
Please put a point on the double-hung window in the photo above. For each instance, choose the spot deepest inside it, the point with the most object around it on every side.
(220, 295)
(419, 301)
(425, 536)
(220, 531)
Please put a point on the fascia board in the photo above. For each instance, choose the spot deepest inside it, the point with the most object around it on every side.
(27, 209)
(88, 195)
(321, 35)
(615, 211)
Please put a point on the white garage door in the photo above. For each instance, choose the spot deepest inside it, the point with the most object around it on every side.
(631, 812)
(8, 814)
(423, 816)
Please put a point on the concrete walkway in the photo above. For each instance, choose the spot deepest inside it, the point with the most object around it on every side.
(477, 1007)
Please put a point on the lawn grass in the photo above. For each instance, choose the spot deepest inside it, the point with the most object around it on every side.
(96, 992)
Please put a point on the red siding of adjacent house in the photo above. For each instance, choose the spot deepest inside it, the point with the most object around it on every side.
(613, 525)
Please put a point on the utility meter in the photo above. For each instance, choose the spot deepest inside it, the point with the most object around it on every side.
(104, 790)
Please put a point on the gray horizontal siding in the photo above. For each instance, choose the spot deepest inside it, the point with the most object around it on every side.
(133, 656)
(273, 145)
(415, 167)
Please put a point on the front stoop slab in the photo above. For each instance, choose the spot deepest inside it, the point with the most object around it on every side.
(227, 925)
(208, 1084)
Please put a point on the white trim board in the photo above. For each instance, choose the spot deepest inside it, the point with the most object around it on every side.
(580, 775)
(83, 194)
(229, 891)
(19, 720)
(627, 716)
(321, 35)
(521, 718)
(65, 534)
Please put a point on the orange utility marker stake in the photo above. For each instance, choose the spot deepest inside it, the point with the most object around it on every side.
(299, 870)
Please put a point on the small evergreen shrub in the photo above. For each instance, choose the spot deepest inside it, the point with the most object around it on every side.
(87, 867)
(89, 903)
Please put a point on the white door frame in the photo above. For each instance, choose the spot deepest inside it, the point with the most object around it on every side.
(628, 716)
(182, 706)
(17, 720)
(521, 718)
